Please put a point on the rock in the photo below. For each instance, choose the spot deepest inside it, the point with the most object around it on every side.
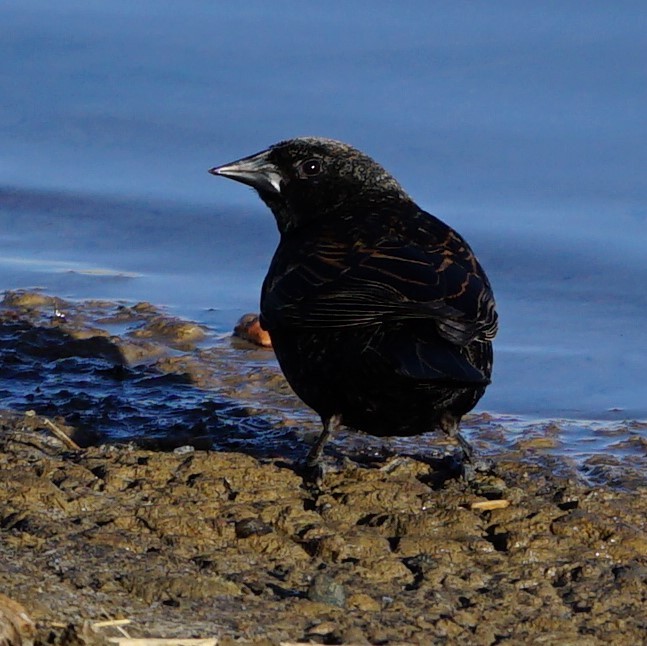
(252, 527)
(249, 328)
(324, 589)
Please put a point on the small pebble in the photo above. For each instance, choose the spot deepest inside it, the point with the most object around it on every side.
(183, 450)
(324, 628)
(325, 589)
(252, 527)
(249, 328)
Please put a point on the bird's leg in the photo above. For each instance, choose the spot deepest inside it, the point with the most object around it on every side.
(468, 450)
(449, 424)
(330, 425)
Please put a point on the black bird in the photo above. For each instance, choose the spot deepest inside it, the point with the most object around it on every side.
(380, 315)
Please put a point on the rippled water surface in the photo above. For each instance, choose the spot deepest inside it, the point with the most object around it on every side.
(520, 124)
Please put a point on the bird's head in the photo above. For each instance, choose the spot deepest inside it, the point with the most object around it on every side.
(308, 178)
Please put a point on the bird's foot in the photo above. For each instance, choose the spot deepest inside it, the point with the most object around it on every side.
(313, 473)
(469, 463)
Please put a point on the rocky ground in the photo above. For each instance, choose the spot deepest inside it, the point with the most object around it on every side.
(205, 536)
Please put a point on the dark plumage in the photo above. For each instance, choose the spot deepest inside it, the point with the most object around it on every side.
(379, 313)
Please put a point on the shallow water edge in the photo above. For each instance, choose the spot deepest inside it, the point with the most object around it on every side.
(119, 372)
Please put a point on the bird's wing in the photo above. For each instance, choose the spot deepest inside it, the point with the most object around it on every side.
(332, 285)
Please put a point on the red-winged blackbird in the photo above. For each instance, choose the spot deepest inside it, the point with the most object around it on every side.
(380, 315)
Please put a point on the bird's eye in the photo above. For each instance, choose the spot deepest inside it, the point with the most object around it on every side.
(311, 167)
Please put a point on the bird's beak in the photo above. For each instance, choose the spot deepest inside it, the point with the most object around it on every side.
(255, 171)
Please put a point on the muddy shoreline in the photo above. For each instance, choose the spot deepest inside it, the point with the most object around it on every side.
(203, 527)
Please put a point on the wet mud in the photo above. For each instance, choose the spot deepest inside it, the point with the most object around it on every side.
(180, 505)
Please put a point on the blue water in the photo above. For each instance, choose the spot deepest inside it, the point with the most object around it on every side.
(521, 124)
